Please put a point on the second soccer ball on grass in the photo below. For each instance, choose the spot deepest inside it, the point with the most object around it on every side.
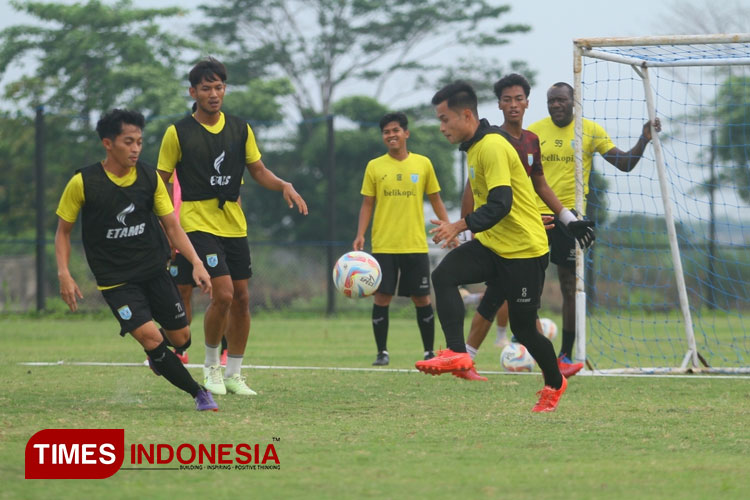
(516, 358)
(357, 274)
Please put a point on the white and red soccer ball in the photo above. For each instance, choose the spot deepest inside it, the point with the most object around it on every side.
(357, 274)
(549, 328)
(516, 358)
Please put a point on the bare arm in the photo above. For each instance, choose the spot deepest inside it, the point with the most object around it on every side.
(269, 180)
(438, 206)
(69, 290)
(546, 194)
(365, 213)
(467, 201)
(626, 161)
(179, 239)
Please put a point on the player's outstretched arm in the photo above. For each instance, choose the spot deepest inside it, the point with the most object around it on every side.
(365, 213)
(179, 239)
(626, 161)
(439, 208)
(69, 290)
(269, 180)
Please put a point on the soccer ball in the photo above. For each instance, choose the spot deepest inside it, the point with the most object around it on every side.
(549, 328)
(356, 274)
(515, 358)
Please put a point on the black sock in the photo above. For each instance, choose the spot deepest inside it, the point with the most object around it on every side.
(380, 326)
(184, 347)
(426, 322)
(523, 325)
(172, 369)
(223, 343)
(568, 338)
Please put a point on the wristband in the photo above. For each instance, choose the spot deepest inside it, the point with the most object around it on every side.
(566, 216)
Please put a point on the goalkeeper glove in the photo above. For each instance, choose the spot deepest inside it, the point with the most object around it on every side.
(581, 230)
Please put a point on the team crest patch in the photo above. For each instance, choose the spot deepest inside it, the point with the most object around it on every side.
(530, 159)
(471, 172)
(125, 312)
(212, 260)
(173, 271)
(415, 178)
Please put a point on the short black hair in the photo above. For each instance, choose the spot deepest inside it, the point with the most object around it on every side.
(511, 81)
(565, 86)
(460, 95)
(208, 69)
(109, 125)
(394, 117)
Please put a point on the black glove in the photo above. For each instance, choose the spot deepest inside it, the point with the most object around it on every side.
(583, 231)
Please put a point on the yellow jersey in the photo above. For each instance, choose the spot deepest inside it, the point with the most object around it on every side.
(558, 157)
(205, 215)
(399, 188)
(493, 162)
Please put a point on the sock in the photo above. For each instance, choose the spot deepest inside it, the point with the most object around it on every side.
(568, 338)
(426, 322)
(472, 351)
(502, 333)
(541, 349)
(172, 369)
(224, 343)
(380, 326)
(212, 355)
(234, 365)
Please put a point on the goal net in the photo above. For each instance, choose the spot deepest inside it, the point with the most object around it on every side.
(666, 287)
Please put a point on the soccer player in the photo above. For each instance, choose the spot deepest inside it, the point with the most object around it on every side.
(510, 247)
(120, 200)
(210, 150)
(512, 93)
(556, 134)
(395, 185)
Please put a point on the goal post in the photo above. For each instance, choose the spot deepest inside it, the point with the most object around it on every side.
(661, 219)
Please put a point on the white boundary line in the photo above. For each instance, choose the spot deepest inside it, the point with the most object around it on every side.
(583, 373)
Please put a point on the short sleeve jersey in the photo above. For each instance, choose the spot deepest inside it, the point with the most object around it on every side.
(558, 157)
(493, 162)
(399, 188)
(205, 215)
(72, 199)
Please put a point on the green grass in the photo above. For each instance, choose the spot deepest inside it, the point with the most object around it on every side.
(363, 434)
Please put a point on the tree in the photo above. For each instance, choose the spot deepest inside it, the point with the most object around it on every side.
(321, 45)
(733, 116)
(87, 58)
(92, 57)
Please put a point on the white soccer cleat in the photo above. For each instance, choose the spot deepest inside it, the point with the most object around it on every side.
(213, 380)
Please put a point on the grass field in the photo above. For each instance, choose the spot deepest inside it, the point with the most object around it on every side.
(372, 434)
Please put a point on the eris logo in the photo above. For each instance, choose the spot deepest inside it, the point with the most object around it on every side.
(128, 210)
(74, 453)
(218, 161)
(220, 180)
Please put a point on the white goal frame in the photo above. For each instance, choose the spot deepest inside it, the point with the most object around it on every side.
(592, 48)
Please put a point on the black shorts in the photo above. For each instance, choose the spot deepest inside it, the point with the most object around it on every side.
(135, 304)
(410, 270)
(221, 256)
(494, 297)
(519, 281)
(562, 248)
(181, 270)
